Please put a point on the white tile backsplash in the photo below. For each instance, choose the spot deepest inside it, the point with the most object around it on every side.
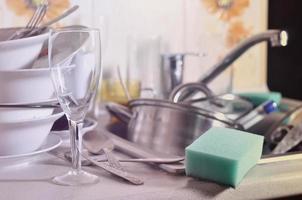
(122, 18)
(183, 26)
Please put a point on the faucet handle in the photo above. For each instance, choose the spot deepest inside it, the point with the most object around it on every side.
(196, 54)
(172, 69)
(181, 56)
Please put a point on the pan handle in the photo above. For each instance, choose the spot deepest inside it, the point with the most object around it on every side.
(180, 91)
(119, 111)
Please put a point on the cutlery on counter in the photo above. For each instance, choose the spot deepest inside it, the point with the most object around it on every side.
(135, 150)
(100, 144)
(115, 171)
(66, 156)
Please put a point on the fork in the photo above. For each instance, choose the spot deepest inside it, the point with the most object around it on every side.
(112, 160)
(54, 20)
(35, 18)
(120, 173)
(33, 22)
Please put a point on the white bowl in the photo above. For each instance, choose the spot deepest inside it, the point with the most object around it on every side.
(19, 114)
(26, 86)
(19, 53)
(19, 137)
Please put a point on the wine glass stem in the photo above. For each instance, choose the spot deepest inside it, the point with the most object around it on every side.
(75, 143)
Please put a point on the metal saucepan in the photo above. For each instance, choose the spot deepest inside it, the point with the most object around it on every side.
(233, 106)
(165, 126)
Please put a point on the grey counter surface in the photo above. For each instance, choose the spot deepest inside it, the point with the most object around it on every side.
(33, 181)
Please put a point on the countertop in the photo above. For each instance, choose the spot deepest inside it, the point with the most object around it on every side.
(33, 181)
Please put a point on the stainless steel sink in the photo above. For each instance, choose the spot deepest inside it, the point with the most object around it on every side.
(290, 112)
(289, 115)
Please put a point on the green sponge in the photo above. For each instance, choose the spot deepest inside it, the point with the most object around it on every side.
(223, 155)
(258, 98)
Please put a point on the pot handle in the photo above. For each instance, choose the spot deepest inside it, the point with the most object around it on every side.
(119, 111)
(179, 92)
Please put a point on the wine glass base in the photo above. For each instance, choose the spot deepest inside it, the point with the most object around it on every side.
(75, 178)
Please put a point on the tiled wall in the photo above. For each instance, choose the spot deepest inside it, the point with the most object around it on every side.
(205, 32)
(183, 25)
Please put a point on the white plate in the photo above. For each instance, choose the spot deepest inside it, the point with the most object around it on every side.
(51, 142)
(49, 101)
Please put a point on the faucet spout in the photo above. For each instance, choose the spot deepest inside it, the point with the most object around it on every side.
(275, 37)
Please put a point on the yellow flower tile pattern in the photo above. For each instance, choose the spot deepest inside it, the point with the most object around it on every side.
(226, 9)
(236, 33)
(25, 8)
(233, 19)
(230, 11)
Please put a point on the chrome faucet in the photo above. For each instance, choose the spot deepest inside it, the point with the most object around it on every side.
(275, 37)
(172, 70)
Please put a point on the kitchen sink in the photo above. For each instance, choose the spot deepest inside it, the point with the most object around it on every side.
(288, 115)
(275, 126)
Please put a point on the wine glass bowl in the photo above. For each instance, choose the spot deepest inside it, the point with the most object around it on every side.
(75, 73)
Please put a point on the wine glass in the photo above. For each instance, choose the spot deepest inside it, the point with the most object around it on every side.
(74, 60)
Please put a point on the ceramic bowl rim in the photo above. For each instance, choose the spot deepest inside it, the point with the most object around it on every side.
(43, 118)
(35, 37)
(29, 70)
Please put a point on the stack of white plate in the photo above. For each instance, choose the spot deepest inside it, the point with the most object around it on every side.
(24, 130)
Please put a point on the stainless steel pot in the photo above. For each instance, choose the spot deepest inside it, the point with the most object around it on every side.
(164, 126)
(231, 105)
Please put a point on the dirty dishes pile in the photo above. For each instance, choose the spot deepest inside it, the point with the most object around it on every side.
(24, 129)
